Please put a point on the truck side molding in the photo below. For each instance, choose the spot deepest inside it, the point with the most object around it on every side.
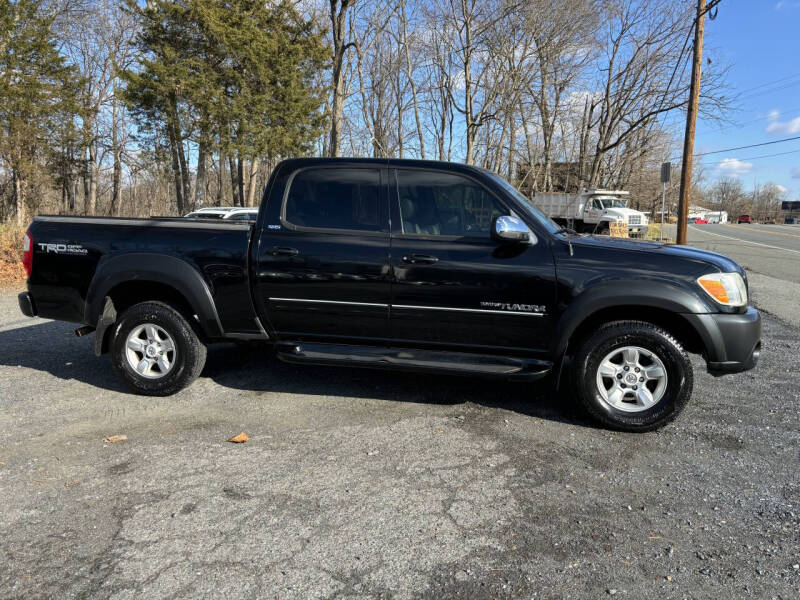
(167, 270)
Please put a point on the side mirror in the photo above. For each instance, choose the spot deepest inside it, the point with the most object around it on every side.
(510, 229)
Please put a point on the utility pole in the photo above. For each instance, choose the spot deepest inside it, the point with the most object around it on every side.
(691, 123)
(665, 173)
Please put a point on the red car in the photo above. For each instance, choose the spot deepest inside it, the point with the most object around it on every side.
(701, 221)
(744, 219)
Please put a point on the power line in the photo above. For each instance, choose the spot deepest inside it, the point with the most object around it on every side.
(797, 137)
(742, 123)
(771, 90)
(754, 157)
(769, 83)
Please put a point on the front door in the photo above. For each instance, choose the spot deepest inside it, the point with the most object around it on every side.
(323, 273)
(454, 287)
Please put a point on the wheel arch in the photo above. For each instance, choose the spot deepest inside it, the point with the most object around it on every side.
(137, 277)
(660, 303)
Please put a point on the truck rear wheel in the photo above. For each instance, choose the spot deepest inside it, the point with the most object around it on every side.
(155, 350)
(632, 376)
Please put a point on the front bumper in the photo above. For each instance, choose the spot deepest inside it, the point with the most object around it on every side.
(738, 342)
(26, 304)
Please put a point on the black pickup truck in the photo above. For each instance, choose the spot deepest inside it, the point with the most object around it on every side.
(417, 265)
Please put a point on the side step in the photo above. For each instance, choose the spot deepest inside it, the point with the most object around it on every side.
(434, 361)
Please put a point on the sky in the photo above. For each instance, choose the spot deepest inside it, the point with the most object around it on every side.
(760, 41)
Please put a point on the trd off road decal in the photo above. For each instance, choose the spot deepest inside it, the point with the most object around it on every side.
(63, 249)
(532, 308)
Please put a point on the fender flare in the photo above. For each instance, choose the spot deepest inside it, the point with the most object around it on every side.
(639, 293)
(145, 267)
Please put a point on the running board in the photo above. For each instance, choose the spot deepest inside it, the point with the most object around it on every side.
(434, 361)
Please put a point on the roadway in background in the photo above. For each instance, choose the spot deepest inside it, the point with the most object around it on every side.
(772, 250)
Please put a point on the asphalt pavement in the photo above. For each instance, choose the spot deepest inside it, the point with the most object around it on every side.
(772, 250)
(364, 484)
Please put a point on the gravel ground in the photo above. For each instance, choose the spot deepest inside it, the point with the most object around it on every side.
(360, 484)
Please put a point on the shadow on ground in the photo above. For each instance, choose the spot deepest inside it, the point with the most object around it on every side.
(52, 347)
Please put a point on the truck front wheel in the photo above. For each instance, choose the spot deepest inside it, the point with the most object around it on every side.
(155, 350)
(632, 376)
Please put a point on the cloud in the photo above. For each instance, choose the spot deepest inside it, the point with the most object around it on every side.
(778, 188)
(733, 167)
(775, 125)
(796, 173)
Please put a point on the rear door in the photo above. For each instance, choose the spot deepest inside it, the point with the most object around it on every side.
(454, 287)
(323, 257)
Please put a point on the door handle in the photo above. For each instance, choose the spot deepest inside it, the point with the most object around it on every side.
(284, 251)
(420, 259)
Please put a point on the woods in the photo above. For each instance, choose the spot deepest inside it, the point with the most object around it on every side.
(120, 107)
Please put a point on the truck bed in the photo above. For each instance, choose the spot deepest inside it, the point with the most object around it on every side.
(72, 251)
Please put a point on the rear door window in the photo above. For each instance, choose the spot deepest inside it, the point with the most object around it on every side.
(334, 198)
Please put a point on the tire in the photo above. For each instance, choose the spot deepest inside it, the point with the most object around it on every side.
(175, 357)
(630, 409)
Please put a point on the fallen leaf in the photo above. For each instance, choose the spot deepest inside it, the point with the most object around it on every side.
(2, 464)
(239, 439)
(113, 439)
(439, 431)
(170, 431)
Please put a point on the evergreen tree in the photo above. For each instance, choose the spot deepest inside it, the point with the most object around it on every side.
(38, 94)
(233, 76)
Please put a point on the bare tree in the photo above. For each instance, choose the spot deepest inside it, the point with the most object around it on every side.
(338, 18)
(641, 75)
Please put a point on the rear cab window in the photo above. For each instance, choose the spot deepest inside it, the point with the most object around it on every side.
(334, 199)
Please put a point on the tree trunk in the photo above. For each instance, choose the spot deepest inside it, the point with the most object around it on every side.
(410, 75)
(116, 188)
(338, 18)
(73, 196)
(221, 179)
(176, 167)
(234, 184)
(200, 184)
(251, 186)
(90, 206)
(185, 183)
(19, 199)
(240, 179)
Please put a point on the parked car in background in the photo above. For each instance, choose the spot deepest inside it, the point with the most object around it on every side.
(224, 212)
(700, 221)
(744, 219)
(790, 220)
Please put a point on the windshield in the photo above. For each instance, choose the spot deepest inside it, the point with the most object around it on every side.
(612, 203)
(526, 204)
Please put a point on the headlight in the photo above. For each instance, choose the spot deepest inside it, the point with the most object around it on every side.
(726, 288)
